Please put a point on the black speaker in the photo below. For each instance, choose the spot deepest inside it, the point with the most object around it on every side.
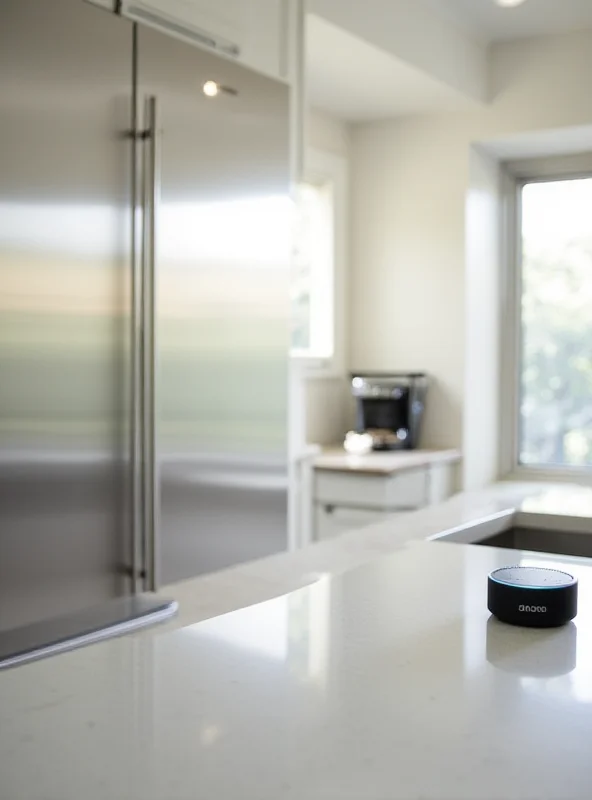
(535, 597)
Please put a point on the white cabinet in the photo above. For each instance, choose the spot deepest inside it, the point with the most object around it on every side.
(254, 32)
(331, 521)
(439, 483)
(347, 500)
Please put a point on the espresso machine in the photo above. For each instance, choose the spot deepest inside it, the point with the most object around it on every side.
(389, 408)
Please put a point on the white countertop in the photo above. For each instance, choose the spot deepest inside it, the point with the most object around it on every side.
(388, 682)
(336, 459)
(256, 581)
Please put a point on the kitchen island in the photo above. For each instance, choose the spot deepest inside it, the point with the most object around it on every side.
(390, 681)
(466, 517)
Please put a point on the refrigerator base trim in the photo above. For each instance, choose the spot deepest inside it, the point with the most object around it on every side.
(43, 639)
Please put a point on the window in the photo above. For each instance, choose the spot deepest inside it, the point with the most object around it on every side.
(318, 265)
(555, 332)
(312, 279)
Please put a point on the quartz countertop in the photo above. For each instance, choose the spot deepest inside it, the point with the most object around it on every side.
(553, 505)
(388, 682)
(337, 459)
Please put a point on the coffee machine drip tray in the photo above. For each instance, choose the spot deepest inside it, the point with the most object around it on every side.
(389, 408)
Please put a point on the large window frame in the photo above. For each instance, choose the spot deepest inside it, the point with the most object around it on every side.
(515, 175)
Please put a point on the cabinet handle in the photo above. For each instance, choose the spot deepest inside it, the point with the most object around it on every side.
(197, 35)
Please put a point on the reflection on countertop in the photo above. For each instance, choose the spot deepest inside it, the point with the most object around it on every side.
(390, 681)
(532, 652)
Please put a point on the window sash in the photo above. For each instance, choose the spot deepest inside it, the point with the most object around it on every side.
(515, 176)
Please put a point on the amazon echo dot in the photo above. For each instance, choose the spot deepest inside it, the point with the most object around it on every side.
(534, 597)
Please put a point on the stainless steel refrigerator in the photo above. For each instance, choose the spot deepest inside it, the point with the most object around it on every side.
(144, 273)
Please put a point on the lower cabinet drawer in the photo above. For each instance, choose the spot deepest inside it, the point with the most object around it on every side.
(332, 520)
(404, 490)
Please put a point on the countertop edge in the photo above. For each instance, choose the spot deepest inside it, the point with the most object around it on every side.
(334, 460)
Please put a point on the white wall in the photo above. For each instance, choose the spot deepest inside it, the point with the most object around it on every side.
(326, 398)
(407, 262)
(324, 132)
(410, 180)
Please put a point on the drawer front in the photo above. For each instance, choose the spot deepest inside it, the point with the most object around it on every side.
(406, 490)
(342, 488)
(331, 521)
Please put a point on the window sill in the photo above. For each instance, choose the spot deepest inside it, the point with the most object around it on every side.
(578, 475)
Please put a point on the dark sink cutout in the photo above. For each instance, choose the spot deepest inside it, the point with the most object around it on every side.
(542, 541)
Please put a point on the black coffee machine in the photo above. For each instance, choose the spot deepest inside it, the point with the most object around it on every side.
(390, 407)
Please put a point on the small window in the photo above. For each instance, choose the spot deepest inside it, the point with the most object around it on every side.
(555, 374)
(313, 273)
(319, 266)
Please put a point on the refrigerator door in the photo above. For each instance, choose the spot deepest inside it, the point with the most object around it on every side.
(222, 252)
(65, 107)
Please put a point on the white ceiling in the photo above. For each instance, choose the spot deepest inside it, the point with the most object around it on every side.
(488, 21)
(353, 73)
(354, 80)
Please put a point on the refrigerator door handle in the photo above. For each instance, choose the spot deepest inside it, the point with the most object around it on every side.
(150, 492)
(136, 571)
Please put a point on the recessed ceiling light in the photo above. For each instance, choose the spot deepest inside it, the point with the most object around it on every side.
(211, 88)
(509, 3)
